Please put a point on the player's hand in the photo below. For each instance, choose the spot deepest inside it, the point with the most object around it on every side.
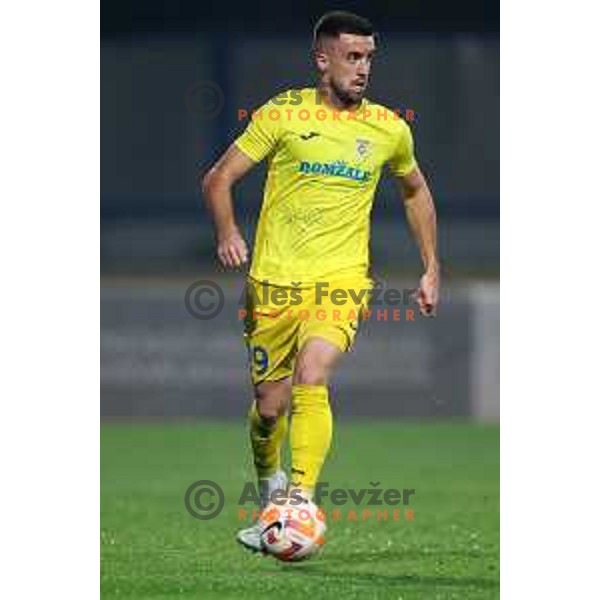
(232, 250)
(428, 293)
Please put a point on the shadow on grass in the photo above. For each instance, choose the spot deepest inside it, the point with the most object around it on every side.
(400, 554)
(431, 581)
(331, 568)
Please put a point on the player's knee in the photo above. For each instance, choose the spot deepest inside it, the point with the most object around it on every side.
(267, 413)
(315, 363)
(310, 374)
(272, 399)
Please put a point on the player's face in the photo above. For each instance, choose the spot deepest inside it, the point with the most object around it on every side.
(346, 64)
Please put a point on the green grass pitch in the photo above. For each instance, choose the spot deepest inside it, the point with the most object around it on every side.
(151, 548)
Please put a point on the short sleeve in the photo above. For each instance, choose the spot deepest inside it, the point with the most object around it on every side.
(262, 134)
(403, 161)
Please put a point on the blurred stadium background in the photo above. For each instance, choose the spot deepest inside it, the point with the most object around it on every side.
(160, 129)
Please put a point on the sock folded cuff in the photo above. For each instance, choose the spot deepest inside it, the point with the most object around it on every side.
(306, 396)
(315, 392)
(308, 388)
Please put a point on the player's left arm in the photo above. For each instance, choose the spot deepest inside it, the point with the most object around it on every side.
(421, 217)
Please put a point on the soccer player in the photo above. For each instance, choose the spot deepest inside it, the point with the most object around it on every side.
(325, 147)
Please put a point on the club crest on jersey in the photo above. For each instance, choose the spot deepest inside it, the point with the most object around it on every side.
(363, 148)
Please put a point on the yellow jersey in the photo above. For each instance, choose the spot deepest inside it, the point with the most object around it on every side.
(323, 169)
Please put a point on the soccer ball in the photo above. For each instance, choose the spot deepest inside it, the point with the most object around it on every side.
(290, 531)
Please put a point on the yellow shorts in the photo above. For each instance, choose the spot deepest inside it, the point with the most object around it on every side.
(278, 320)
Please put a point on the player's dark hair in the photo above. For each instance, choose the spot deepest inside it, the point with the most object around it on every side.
(336, 22)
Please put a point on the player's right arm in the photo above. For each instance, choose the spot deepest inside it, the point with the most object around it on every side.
(216, 187)
(258, 141)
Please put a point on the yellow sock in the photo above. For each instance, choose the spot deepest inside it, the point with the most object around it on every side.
(310, 434)
(267, 437)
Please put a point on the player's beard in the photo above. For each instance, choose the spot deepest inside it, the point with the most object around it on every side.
(346, 97)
